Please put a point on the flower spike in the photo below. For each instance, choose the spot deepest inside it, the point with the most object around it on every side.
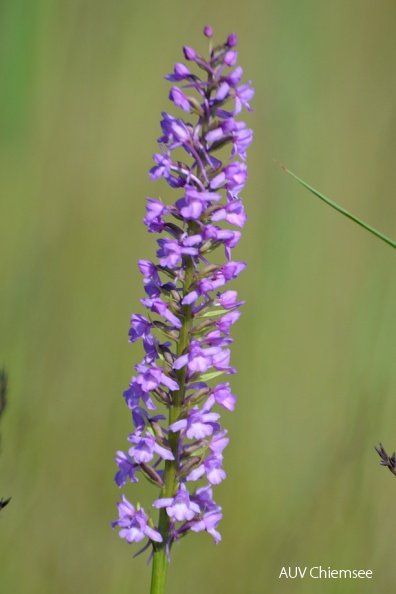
(189, 305)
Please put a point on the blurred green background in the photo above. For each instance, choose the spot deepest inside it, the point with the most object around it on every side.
(82, 89)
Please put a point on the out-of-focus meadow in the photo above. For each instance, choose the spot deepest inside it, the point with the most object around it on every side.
(82, 89)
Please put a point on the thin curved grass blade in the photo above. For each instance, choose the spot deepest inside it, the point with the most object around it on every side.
(341, 210)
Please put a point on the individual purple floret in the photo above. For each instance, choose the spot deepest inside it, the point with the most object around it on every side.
(179, 507)
(198, 424)
(133, 523)
(190, 309)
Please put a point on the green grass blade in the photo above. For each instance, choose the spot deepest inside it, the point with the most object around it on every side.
(341, 210)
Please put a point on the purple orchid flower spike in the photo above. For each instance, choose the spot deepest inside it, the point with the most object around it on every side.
(190, 309)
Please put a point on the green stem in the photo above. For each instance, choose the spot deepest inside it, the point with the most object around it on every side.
(160, 561)
(342, 210)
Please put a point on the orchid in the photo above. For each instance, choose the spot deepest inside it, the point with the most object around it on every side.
(186, 332)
